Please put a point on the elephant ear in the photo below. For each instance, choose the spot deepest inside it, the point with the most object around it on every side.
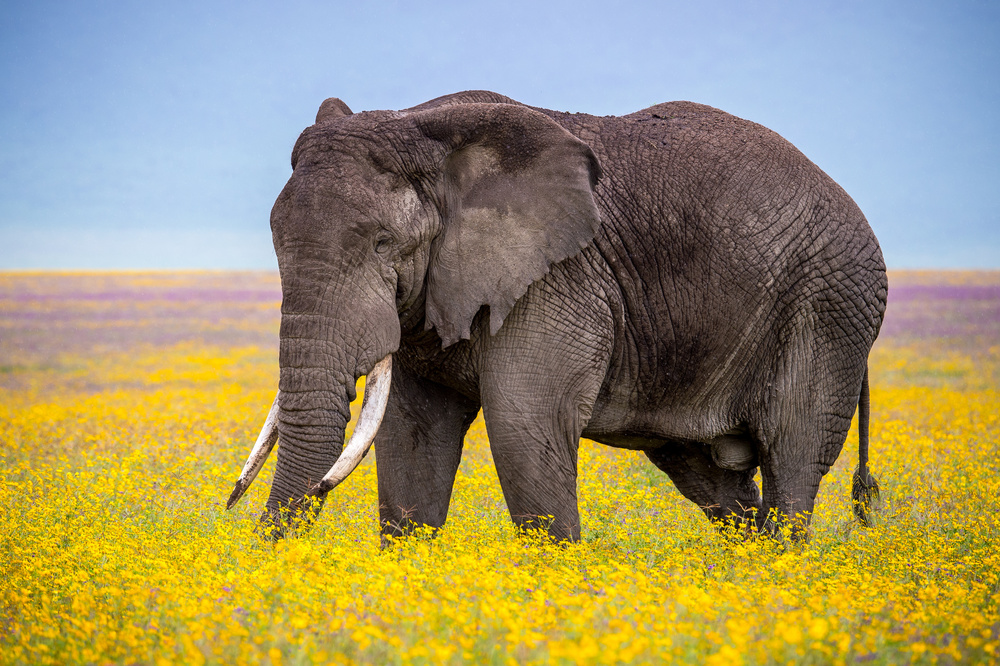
(516, 196)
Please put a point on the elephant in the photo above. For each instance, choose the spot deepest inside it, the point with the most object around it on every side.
(676, 281)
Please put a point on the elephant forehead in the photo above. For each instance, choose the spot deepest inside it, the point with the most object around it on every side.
(319, 201)
(352, 137)
(339, 185)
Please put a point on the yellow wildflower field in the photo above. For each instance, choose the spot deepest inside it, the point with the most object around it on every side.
(128, 404)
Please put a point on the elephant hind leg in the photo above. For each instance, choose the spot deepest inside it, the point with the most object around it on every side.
(799, 453)
(808, 414)
(723, 494)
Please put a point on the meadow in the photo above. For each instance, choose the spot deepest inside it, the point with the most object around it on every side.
(128, 404)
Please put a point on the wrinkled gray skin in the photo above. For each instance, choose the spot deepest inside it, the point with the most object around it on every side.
(677, 281)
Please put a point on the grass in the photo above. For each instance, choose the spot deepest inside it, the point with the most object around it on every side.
(118, 455)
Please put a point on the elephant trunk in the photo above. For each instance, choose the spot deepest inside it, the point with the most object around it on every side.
(337, 323)
(313, 411)
(372, 410)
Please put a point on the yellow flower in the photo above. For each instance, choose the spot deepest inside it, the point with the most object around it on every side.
(116, 547)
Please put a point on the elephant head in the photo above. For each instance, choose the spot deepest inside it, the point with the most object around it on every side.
(428, 215)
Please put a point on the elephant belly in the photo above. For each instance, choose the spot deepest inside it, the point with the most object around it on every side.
(678, 416)
(734, 450)
(630, 415)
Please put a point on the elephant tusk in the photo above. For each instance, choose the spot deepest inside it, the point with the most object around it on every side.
(372, 411)
(258, 455)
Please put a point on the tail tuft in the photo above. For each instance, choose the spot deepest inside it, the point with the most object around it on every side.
(864, 489)
(865, 493)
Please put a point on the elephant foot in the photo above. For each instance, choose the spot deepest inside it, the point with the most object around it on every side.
(545, 529)
(394, 532)
(782, 527)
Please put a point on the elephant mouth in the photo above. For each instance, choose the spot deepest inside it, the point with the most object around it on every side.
(372, 410)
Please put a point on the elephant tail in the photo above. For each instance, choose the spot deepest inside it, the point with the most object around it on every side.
(864, 489)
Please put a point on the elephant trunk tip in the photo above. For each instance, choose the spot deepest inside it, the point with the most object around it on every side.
(865, 495)
(297, 515)
(270, 527)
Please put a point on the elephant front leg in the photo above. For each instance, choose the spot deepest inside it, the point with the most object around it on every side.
(723, 494)
(418, 450)
(537, 467)
(538, 388)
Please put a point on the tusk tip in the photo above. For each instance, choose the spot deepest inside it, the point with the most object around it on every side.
(237, 493)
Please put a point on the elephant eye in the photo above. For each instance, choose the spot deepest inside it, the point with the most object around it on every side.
(382, 244)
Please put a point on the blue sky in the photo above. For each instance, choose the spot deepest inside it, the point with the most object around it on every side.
(157, 135)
